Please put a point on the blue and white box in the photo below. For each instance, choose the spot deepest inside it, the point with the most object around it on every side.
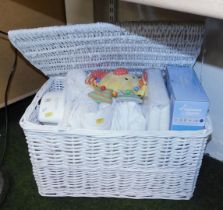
(189, 102)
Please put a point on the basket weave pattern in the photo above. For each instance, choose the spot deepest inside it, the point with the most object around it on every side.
(129, 164)
(56, 50)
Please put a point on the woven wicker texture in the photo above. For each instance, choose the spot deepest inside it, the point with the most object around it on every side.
(136, 164)
(56, 50)
(112, 164)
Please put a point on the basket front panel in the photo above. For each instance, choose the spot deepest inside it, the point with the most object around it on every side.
(125, 152)
(171, 184)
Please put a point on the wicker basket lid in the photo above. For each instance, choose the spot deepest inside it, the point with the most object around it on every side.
(59, 49)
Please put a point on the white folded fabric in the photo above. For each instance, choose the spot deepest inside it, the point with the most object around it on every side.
(128, 116)
(156, 105)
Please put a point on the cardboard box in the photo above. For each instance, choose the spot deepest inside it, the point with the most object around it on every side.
(189, 102)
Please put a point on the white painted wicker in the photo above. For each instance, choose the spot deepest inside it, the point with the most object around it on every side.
(91, 163)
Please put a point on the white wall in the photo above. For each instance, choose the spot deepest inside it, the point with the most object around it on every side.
(212, 80)
(79, 11)
(211, 76)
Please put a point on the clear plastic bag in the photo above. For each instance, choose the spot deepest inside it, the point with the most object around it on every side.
(77, 101)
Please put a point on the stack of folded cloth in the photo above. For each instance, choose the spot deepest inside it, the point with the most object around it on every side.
(156, 106)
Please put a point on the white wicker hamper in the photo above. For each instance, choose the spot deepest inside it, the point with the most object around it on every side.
(126, 164)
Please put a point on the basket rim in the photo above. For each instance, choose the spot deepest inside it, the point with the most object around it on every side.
(33, 127)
